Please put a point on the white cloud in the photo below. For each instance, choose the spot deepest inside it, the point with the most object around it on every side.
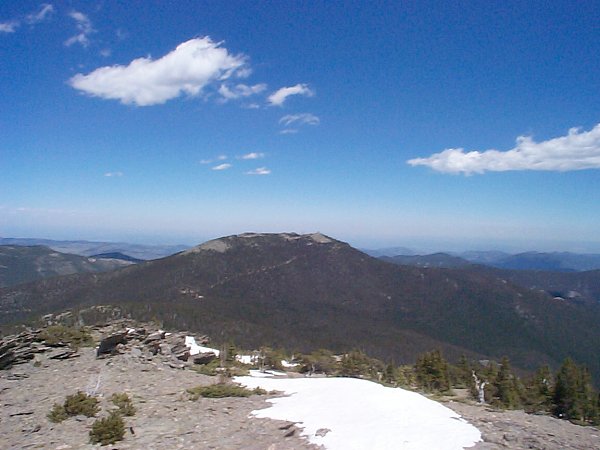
(240, 91)
(259, 171)
(113, 174)
(9, 27)
(224, 166)
(188, 69)
(106, 52)
(84, 27)
(278, 97)
(299, 119)
(289, 131)
(253, 155)
(576, 151)
(45, 11)
(209, 161)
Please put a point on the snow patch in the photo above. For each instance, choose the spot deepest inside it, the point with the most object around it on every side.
(362, 414)
(195, 349)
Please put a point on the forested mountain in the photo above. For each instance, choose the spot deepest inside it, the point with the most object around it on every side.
(303, 292)
(20, 264)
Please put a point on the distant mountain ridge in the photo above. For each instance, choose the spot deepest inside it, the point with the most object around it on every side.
(434, 260)
(547, 261)
(310, 291)
(22, 264)
(89, 248)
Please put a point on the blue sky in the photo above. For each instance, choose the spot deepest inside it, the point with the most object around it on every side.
(423, 124)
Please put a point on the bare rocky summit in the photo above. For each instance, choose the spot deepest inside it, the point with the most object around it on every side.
(152, 367)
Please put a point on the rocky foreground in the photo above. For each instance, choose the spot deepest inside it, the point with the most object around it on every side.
(155, 371)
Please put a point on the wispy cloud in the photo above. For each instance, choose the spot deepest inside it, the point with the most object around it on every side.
(9, 27)
(113, 174)
(188, 69)
(224, 166)
(44, 12)
(210, 161)
(299, 119)
(253, 155)
(577, 150)
(259, 171)
(278, 97)
(84, 28)
(240, 91)
(289, 131)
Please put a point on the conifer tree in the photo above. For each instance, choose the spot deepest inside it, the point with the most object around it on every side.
(507, 387)
(538, 391)
(573, 396)
(431, 372)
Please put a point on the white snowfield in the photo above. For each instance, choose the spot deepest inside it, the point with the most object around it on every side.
(348, 414)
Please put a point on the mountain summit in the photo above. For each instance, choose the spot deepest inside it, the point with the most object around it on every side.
(311, 291)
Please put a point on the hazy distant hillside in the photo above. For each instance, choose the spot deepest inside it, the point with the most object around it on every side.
(558, 262)
(20, 264)
(118, 256)
(87, 248)
(434, 260)
(388, 251)
(309, 291)
(554, 261)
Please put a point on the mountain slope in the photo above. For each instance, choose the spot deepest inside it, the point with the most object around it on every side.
(19, 264)
(308, 291)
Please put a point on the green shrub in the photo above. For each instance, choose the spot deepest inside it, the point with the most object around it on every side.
(207, 369)
(124, 403)
(57, 414)
(73, 336)
(222, 390)
(81, 403)
(74, 405)
(108, 430)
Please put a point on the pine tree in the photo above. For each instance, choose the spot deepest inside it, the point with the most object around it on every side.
(538, 392)
(507, 387)
(573, 396)
(431, 372)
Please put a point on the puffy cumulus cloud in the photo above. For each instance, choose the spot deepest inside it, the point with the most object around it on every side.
(84, 28)
(188, 69)
(253, 155)
(9, 27)
(299, 119)
(577, 150)
(278, 97)
(240, 91)
(224, 166)
(259, 171)
(44, 12)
